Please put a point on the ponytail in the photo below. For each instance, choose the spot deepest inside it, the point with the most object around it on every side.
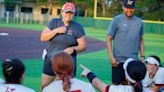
(66, 82)
(63, 66)
(137, 86)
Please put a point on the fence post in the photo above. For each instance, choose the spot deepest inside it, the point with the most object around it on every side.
(21, 18)
(41, 19)
(17, 16)
(7, 18)
(14, 17)
(31, 18)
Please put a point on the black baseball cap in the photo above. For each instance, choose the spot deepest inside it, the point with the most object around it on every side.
(129, 3)
(136, 70)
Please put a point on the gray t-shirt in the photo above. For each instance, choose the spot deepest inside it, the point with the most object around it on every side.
(126, 34)
(62, 41)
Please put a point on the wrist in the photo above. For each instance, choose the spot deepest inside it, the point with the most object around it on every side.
(142, 56)
(55, 31)
(91, 76)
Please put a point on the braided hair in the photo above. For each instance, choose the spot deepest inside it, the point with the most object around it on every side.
(63, 66)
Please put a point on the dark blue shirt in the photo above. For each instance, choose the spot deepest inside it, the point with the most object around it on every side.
(62, 41)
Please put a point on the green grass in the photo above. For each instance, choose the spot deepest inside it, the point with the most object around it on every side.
(96, 61)
(24, 26)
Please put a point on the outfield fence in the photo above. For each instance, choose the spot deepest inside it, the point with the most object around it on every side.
(24, 18)
(149, 26)
(102, 23)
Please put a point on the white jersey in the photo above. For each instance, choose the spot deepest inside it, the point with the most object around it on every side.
(124, 88)
(14, 88)
(120, 88)
(76, 86)
(2, 81)
(158, 78)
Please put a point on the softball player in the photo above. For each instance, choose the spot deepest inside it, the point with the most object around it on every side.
(76, 86)
(154, 78)
(13, 71)
(134, 71)
(62, 64)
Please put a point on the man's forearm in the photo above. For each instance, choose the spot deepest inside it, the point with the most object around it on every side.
(141, 47)
(109, 46)
(96, 82)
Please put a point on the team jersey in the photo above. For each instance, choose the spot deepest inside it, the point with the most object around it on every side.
(157, 80)
(120, 88)
(14, 88)
(76, 86)
(124, 88)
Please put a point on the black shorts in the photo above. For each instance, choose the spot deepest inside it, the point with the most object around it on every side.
(47, 68)
(118, 75)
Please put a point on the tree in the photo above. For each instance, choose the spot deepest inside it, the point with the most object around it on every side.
(104, 6)
(82, 4)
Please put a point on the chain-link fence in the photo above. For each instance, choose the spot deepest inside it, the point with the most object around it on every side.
(24, 18)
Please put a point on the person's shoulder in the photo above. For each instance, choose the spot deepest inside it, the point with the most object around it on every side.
(160, 70)
(120, 88)
(57, 84)
(26, 89)
(120, 16)
(17, 87)
(76, 24)
(159, 75)
(75, 80)
(23, 88)
(137, 18)
(85, 86)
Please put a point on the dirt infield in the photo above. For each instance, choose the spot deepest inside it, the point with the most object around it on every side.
(25, 44)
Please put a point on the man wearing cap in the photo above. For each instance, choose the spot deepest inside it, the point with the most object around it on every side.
(63, 34)
(154, 78)
(126, 32)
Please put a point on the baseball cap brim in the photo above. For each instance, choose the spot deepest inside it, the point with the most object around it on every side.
(129, 6)
(69, 11)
